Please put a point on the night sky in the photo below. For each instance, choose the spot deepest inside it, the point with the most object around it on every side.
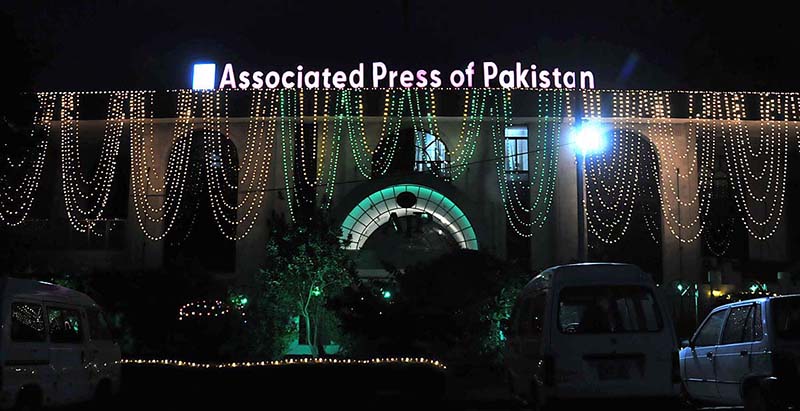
(115, 44)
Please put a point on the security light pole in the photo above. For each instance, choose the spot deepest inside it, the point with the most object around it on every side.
(582, 234)
(587, 138)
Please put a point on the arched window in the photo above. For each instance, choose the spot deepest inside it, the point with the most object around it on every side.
(430, 154)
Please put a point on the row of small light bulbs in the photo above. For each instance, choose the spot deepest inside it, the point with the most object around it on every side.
(176, 172)
(289, 362)
(97, 194)
(738, 158)
(16, 202)
(526, 220)
(474, 105)
(699, 151)
(610, 198)
(713, 243)
(548, 90)
(257, 157)
(204, 308)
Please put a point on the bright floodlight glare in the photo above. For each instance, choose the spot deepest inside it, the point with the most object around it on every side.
(588, 138)
(204, 76)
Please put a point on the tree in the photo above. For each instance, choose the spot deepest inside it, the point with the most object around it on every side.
(305, 267)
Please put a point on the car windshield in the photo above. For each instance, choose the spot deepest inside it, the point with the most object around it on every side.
(608, 309)
(786, 317)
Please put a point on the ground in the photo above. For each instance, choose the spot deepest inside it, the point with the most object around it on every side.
(325, 387)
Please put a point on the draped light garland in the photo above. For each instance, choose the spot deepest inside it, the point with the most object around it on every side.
(177, 170)
(523, 219)
(764, 188)
(236, 217)
(16, 201)
(683, 213)
(683, 168)
(86, 200)
(612, 177)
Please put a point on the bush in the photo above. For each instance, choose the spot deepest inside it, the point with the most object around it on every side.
(450, 308)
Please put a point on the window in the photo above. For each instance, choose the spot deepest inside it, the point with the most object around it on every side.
(98, 327)
(27, 322)
(430, 154)
(517, 148)
(709, 333)
(65, 325)
(608, 309)
(739, 327)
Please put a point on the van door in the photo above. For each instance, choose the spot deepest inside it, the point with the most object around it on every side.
(611, 341)
(732, 357)
(27, 348)
(531, 335)
(514, 355)
(103, 354)
(67, 354)
(699, 365)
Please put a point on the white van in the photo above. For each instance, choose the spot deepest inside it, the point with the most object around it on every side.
(591, 331)
(55, 346)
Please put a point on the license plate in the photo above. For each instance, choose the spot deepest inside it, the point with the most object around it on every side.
(613, 370)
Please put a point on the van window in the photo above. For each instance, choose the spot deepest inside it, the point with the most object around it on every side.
(758, 326)
(709, 333)
(608, 309)
(786, 317)
(98, 328)
(65, 325)
(27, 322)
(736, 328)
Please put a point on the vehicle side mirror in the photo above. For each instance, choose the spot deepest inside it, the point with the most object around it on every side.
(686, 344)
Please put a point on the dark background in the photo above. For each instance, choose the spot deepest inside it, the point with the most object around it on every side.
(57, 45)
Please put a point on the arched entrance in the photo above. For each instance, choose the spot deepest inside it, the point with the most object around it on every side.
(406, 200)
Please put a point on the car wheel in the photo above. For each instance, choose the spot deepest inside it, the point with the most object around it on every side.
(755, 400)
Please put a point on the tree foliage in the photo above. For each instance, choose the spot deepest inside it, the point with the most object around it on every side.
(450, 308)
(305, 267)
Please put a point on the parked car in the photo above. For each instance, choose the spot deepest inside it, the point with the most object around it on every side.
(55, 346)
(594, 330)
(745, 353)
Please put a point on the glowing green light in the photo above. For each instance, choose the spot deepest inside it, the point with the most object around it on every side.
(316, 292)
(239, 300)
(680, 287)
(753, 288)
(387, 294)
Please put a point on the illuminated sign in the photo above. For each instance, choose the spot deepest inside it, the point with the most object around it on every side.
(204, 76)
(379, 75)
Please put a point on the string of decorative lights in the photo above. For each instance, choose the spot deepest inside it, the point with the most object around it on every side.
(756, 179)
(699, 153)
(761, 224)
(718, 239)
(288, 362)
(177, 169)
(612, 177)
(206, 309)
(83, 217)
(474, 106)
(524, 220)
(17, 201)
(254, 169)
